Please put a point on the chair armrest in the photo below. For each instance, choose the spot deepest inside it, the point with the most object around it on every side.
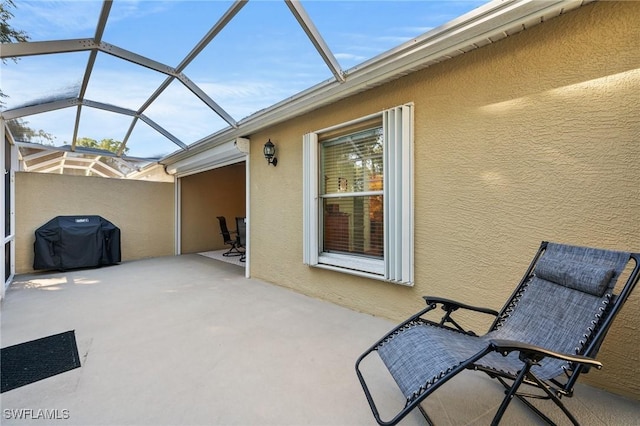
(451, 305)
(536, 353)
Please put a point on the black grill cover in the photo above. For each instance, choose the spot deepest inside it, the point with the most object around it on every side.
(67, 242)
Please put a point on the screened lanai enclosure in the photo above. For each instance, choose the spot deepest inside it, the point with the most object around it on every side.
(154, 90)
(107, 88)
(422, 147)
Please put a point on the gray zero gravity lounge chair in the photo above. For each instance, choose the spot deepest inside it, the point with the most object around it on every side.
(548, 332)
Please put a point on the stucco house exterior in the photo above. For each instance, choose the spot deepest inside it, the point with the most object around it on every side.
(527, 138)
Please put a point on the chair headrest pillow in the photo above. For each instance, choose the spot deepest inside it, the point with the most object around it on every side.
(585, 277)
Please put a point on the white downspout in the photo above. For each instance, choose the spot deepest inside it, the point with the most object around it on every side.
(247, 265)
(177, 204)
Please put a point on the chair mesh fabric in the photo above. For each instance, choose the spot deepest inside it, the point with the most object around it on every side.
(422, 353)
(543, 313)
(553, 317)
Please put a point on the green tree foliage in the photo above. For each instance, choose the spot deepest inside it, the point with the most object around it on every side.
(8, 34)
(105, 144)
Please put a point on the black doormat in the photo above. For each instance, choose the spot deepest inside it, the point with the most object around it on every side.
(38, 359)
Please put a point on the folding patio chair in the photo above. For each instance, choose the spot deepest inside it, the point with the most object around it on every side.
(548, 332)
(226, 236)
(241, 225)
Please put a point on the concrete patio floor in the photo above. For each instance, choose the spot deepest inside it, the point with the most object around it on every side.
(188, 340)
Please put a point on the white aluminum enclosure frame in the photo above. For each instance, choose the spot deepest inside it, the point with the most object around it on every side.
(8, 238)
(485, 25)
(95, 45)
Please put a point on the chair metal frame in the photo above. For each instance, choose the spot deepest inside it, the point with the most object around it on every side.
(234, 250)
(241, 226)
(530, 355)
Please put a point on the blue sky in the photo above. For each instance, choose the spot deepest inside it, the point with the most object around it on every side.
(260, 58)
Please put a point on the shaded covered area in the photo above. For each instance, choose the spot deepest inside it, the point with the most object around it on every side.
(204, 199)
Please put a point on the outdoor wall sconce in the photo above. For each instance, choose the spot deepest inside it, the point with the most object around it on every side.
(269, 153)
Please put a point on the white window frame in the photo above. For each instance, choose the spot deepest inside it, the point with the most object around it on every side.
(397, 265)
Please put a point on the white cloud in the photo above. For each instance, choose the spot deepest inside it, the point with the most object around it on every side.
(350, 57)
(56, 20)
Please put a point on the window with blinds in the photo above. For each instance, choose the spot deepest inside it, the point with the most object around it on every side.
(351, 193)
(358, 196)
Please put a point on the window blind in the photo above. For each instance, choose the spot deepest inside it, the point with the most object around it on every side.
(351, 192)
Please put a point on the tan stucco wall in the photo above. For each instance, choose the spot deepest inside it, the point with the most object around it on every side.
(218, 192)
(532, 138)
(142, 210)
